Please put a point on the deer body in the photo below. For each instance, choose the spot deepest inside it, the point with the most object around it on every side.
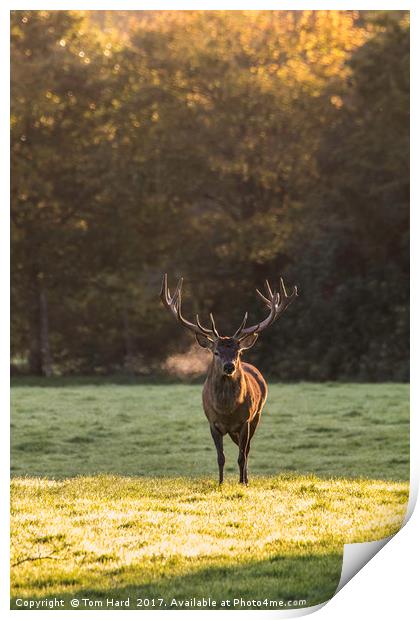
(234, 392)
(233, 406)
(229, 402)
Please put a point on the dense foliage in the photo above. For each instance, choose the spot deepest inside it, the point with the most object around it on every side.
(227, 147)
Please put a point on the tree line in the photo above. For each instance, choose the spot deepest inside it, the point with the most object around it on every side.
(224, 146)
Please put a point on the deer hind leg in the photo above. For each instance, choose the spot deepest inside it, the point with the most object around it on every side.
(218, 442)
(244, 461)
(244, 440)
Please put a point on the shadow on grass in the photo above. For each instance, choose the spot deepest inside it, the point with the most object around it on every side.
(309, 579)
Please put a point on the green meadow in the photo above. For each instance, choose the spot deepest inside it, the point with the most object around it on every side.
(114, 491)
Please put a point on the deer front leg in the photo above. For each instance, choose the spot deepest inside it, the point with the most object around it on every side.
(218, 442)
(243, 453)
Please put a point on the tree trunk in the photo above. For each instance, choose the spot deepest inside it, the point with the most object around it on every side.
(129, 349)
(35, 355)
(40, 362)
(44, 333)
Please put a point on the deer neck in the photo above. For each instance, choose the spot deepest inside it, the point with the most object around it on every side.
(227, 391)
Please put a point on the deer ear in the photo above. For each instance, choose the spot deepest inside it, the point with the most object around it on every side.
(248, 342)
(204, 342)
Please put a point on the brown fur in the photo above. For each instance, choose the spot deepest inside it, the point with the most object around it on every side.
(233, 404)
(234, 392)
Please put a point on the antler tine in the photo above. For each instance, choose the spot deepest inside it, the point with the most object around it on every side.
(242, 325)
(165, 294)
(213, 326)
(265, 300)
(268, 289)
(286, 299)
(277, 302)
(194, 327)
(283, 291)
(164, 289)
(174, 305)
(203, 329)
(178, 290)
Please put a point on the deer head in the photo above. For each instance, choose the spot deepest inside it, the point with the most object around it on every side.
(227, 349)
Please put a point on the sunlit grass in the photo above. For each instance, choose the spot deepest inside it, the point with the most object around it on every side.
(114, 490)
(113, 536)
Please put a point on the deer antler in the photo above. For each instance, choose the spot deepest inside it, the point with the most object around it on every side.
(277, 302)
(173, 303)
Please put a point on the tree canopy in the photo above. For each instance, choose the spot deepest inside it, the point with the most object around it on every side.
(226, 146)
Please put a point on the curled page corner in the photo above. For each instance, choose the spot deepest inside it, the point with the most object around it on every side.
(356, 556)
(412, 499)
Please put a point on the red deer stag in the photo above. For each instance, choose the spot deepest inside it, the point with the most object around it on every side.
(234, 392)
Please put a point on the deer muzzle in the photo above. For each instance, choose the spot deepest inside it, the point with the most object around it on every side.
(229, 368)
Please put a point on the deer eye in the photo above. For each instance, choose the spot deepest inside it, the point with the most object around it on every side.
(216, 353)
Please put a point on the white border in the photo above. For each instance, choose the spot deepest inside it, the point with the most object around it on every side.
(196, 5)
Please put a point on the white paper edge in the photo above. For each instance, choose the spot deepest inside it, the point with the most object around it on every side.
(357, 555)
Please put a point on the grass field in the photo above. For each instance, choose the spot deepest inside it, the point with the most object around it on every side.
(114, 491)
